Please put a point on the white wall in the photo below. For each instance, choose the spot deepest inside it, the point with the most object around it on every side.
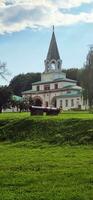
(52, 75)
(77, 102)
(52, 85)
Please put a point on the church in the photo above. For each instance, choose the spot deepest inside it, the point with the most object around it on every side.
(54, 89)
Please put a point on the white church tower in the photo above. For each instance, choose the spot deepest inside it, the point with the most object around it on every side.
(53, 63)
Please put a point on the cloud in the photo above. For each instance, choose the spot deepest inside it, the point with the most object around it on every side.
(67, 4)
(59, 3)
(17, 15)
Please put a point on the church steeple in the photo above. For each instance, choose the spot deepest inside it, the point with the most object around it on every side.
(53, 52)
(53, 61)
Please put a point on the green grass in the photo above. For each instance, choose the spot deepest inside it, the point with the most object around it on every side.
(67, 128)
(65, 115)
(41, 157)
(35, 171)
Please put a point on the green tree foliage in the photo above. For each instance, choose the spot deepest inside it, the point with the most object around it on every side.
(74, 74)
(23, 82)
(31, 102)
(87, 77)
(5, 96)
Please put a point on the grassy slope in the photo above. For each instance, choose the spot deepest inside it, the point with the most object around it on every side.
(65, 128)
(30, 171)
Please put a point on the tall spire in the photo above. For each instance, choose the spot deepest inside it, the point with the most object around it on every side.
(53, 52)
(53, 61)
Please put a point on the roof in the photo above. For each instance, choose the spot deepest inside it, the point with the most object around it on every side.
(53, 52)
(70, 95)
(29, 92)
(74, 87)
(55, 80)
(16, 98)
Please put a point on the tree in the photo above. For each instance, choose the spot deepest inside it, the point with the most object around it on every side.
(23, 82)
(74, 74)
(87, 77)
(31, 102)
(5, 97)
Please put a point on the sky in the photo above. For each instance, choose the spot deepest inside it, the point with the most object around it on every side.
(26, 29)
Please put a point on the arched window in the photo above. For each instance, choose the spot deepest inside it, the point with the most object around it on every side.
(72, 102)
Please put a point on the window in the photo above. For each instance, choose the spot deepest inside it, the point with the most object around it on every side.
(56, 86)
(46, 87)
(72, 102)
(66, 103)
(84, 102)
(59, 64)
(53, 66)
(46, 103)
(38, 88)
(77, 101)
(60, 103)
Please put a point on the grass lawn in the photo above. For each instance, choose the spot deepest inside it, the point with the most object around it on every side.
(34, 171)
(41, 157)
(65, 115)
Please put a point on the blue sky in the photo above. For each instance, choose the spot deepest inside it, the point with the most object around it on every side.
(26, 28)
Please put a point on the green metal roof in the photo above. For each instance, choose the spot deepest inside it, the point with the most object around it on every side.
(29, 91)
(55, 80)
(69, 95)
(74, 87)
(16, 98)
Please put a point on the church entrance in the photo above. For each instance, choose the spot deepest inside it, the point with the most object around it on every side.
(37, 102)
